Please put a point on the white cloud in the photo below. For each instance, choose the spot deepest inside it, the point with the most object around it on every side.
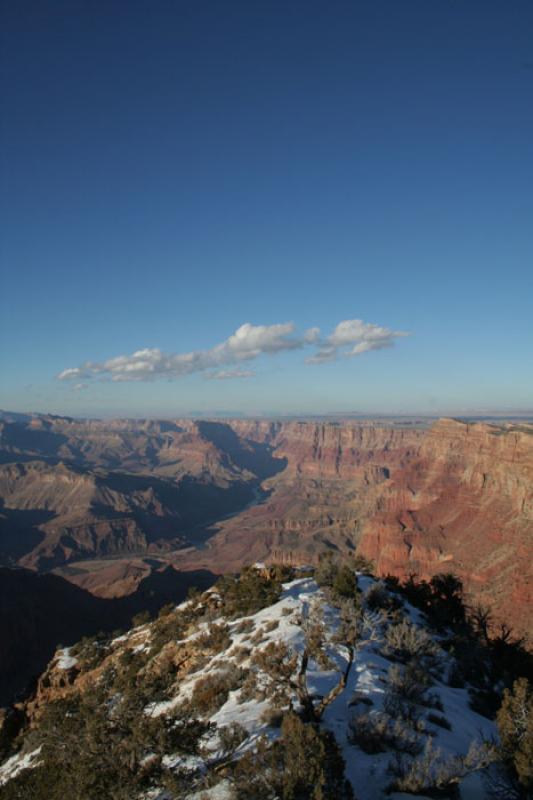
(230, 374)
(70, 374)
(323, 355)
(246, 344)
(363, 336)
(312, 335)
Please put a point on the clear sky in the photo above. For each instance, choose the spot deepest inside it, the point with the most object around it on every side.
(196, 194)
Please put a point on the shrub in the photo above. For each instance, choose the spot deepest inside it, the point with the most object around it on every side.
(216, 638)
(211, 692)
(304, 763)
(142, 618)
(406, 641)
(281, 572)
(351, 625)
(407, 690)
(377, 732)
(245, 626)
(165, 610)
(248, 593)
(170, 627)
(86, 731)
(230, 737)
(276, 664)
(258, 637)
(326, 570)
(441, 599)
(273, 716)
(362, 564)
(424, 774)
(515, 726)
(90, 651)
(315, 638)
(433, 773)
(377, 598)
(344, 583)
(240, 653)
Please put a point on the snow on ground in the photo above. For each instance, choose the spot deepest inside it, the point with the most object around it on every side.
(302, 599)
(222, 791)
(11, 768)
(65, 660)
(367, 679)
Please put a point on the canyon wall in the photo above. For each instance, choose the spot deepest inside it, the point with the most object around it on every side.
(454, 497)
(212, 494)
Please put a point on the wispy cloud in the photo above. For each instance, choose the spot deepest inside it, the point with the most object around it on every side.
(246, 344)
(230, 374)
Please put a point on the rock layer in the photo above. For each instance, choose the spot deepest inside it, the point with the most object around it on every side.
(453, 497)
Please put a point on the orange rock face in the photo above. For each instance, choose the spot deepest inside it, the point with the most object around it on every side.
(463, 505)
(452, 498)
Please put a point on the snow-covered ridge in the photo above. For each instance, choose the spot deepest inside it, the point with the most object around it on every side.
(345, 679)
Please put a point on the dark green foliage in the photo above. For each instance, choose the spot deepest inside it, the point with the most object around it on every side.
(172, 626)
(344, 583)
(441, 599)
(303, 764)
(92, 749)
(326, 571)
(340, 578)
(248, 593)
(90, 651)
(282, 573)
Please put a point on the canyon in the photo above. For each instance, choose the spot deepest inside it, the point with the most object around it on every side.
(105, 504)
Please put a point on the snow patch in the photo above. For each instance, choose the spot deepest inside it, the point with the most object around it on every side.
(17, 763)
(65, 660)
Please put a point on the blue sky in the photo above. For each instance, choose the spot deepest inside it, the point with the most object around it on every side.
(175, 170)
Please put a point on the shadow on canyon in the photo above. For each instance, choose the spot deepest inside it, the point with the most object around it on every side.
(256, 457)
(19, 531)
(40, 612)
